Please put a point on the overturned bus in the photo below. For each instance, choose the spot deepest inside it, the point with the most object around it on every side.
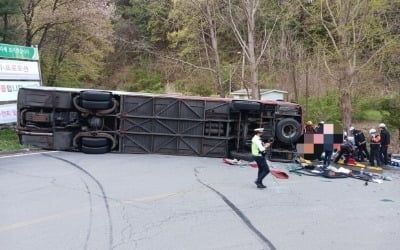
(97, 122)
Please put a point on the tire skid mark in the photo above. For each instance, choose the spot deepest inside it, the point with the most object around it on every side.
(89, 232)
(237, 211)
(107, 206)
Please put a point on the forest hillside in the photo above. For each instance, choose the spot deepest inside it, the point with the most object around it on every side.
(340, 59)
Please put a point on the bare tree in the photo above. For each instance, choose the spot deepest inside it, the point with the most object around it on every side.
(208, 12)
(77, 37)
(42, 15)
(253, 48)
(346, 25)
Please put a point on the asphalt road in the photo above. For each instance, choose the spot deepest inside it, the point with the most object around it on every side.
(63, 200)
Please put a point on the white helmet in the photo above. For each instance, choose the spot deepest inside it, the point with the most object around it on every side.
(372, 131)
(382, 125)
(351, 128)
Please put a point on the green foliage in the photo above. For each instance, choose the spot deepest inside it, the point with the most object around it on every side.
(184, 36)
(8, 28)
(73, 71)
(180, 86)
(390, 109)
(9, 140)
(365, 109)
(371, 115)
(76, 44)
(75, 54)
(199, 85)
(200, 90)
(141, 80)
(324, 108)
(148, 17)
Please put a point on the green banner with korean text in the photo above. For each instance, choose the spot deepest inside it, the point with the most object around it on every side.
(18, 52)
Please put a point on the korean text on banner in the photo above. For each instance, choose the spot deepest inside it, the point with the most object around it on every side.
(18, 52)
(9, 89)
(19, 70)
(8, 113)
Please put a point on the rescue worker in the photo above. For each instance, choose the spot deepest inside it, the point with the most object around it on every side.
(328, 150)
(346, 149)
(385, 141)
(375, 142)
(258, 151)
(361, 144)
(309, 129)
(319, 129)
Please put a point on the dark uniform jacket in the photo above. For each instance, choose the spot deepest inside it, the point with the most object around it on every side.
(385, 137)
(359, 138)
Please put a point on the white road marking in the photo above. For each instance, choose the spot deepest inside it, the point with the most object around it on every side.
(26, 154)
(65, 214)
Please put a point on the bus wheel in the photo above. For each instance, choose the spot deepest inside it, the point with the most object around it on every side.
(288, 130)
(96, 104)
(95, 150)
(95, 100)
(95, 145)
(96, 95)
(94, 141)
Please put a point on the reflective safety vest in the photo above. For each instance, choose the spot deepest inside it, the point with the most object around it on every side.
(254, 147)
(375, 139)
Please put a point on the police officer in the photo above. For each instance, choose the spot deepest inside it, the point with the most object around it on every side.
(258, 151)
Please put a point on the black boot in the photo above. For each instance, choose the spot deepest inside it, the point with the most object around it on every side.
(259, 185)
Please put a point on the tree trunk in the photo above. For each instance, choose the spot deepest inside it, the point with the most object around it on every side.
(291, 59)
(399, 133)
(307, 84)
(346, 110)
(28, 17)
(294, 81)
(214, 43)
(52, 75)
(345, 103)
(255, 91)
(5, 20)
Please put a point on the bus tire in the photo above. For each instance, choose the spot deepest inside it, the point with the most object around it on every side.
(96, 95)
(98, 105)
(94, 141)
(245, 105)
(95, 150)
(288, 130)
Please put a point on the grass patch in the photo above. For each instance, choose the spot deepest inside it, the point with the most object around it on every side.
(9, 140)
(372, 115)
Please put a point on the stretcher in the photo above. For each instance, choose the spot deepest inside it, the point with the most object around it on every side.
(359, 166)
